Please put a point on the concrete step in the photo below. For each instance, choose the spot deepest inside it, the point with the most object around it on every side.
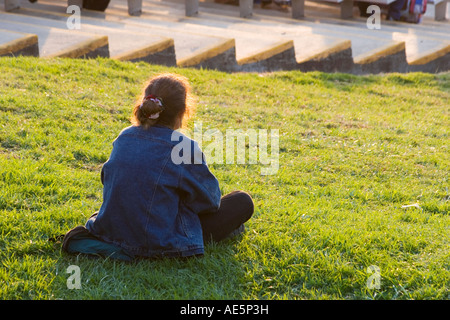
(155, 49)
(396, 47)
(310, 38)
(270, 40)
(190, 48)
(253, 52)
(313, 42)
(14, 43)
(56, 42)
(400, 31)
(239, 51)
(427, 44)
(172, 15)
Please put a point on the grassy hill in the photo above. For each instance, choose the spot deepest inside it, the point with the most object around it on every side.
(352, 151)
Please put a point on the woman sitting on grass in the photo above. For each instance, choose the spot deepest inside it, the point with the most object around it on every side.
(153, 206)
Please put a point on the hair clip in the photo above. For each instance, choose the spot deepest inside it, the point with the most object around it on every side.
(156, 100)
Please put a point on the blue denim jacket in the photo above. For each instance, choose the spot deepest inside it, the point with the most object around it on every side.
(150, 203)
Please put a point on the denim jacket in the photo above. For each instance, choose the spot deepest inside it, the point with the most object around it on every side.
(150, 203)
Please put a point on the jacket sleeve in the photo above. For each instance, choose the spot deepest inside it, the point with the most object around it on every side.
(200, 188)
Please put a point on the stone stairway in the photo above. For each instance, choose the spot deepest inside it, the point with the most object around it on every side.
(120, 44)
(217, 38)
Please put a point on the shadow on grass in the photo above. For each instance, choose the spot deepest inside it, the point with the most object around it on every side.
(216, 275)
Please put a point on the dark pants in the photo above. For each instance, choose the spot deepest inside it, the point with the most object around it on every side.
(395, 8)
(235, 209)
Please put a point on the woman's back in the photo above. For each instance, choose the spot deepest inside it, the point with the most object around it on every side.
(150, 205)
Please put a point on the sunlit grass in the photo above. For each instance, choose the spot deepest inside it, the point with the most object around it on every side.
(353, 151)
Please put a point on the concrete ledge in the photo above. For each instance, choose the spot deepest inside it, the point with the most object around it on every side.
(441, 64)
(332, 50)
(162, 53)
(431, 56)
(383, 52)
(97, 47)
(123, 44)
(433, 62)
(220, 57)
(389, 54)
(27, 45)
(337, 58)
(266, 54)
(391, 58)
(279, 57)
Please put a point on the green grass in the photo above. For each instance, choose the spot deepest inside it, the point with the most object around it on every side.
(353, 151)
